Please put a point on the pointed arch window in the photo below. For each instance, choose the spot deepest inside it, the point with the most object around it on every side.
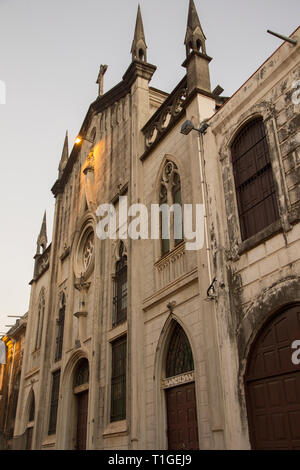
(171, 227)
(41, 313)
(179, 357)
(120, 287)
(254, 183)
(60, 328)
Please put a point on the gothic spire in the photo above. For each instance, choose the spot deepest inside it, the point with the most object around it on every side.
(195, 37)
(64, 155)
(139, 47)
(42, 238)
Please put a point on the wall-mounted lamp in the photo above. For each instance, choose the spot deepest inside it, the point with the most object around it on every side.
(188, 126)
(79, 139)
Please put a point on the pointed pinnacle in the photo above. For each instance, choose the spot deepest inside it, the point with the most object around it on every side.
(139, 29)
(65, 153)
(193, 18)
(44, 226)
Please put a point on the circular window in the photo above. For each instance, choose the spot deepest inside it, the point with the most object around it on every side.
(85, 253)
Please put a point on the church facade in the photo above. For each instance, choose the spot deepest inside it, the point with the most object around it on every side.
(142, 343)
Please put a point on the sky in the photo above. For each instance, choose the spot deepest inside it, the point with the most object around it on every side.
(50, 53)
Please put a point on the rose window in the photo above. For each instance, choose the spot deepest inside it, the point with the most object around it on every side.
(88, 250)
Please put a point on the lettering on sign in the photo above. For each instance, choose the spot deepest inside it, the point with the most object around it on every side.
(178, 380)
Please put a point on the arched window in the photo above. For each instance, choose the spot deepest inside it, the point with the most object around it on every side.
(81, 376)
(179, 357)
(255, 190)
(171, 232)
(60, 328)
(41, 312)
(120, 295)
(141, 54)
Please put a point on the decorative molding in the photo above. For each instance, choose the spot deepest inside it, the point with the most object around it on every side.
(164, 118)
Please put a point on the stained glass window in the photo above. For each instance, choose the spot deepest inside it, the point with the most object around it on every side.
(180, 356)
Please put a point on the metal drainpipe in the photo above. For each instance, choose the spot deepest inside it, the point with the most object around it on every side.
(200, 153)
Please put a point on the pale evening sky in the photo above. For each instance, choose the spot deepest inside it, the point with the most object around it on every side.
(50, 53)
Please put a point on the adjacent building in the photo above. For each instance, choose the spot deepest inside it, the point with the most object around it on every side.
(10, 375)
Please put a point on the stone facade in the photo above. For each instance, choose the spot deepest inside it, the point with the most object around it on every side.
(220, 295)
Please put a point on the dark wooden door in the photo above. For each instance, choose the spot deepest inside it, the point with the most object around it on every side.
(82, 412)
(182, 418)
(273, 385)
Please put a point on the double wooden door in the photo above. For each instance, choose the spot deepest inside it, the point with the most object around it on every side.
(182, 418)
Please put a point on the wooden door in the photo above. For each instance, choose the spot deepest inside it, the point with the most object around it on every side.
(182, 418)
(82, 412)
(273, 385)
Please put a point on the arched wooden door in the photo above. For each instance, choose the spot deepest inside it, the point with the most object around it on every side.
(81, 391)
(272, 384)
(179, 385)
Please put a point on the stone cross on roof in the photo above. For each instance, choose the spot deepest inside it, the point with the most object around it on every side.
(100, 79)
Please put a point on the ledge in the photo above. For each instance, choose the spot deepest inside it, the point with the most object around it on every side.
(50, 441)
(262, 236)
(171, 288)
(117, 331)
(115, 429)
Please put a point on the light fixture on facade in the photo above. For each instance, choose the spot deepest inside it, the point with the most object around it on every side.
(188, 126)
(79, 139)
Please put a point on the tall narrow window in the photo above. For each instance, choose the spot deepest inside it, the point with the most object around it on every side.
(120, 297)
(54, 402)
(32, 408)
(255, 190)
(118, 380)
(171, 230)
(60, 328)
(41, 312)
